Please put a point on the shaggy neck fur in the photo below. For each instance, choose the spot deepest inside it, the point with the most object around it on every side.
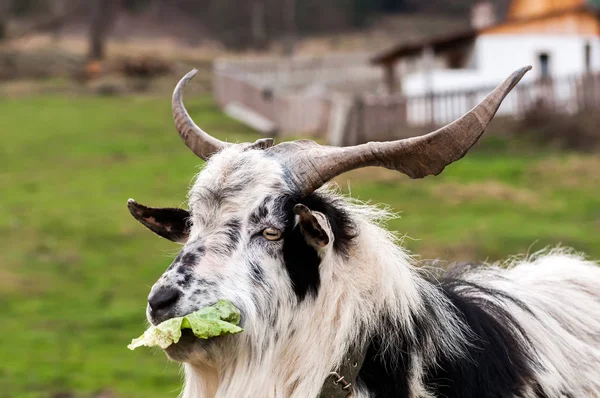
(527, 330)
(374, 282)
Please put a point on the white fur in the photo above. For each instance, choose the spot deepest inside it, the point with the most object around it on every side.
(379, 277)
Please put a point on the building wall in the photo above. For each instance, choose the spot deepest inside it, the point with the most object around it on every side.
(561, 35)
(496, 56)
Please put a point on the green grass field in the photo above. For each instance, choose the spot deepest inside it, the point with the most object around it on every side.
(76, 268)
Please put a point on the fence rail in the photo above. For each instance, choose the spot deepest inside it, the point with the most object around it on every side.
(386, 117)
(291, 113)
(298, 72)
(337, 96)
(568, 95)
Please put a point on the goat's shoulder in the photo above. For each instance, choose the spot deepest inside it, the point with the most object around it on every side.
(491, 355)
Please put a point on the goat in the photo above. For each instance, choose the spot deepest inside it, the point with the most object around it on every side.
(332, 305)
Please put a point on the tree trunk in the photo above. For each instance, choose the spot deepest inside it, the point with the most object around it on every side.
(289, 19)
(59, 8)
(104, 13)
(259, 31)
(4, 11)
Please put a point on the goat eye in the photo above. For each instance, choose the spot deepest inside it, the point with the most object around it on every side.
(272, 234)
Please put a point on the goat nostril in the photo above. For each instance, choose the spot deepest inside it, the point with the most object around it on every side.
(163, 298)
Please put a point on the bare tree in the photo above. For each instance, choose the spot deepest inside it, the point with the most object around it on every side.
(4, 11)
(38, 17)
(104, 13)
(259, 31)
(289, 19)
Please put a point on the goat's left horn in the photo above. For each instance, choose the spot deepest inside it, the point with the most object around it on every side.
(201, 143)
(312, 165)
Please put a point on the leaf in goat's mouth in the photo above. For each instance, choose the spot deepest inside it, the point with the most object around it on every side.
(215, 320)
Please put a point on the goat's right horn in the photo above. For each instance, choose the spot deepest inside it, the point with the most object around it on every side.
(312, 165)
(201, 143)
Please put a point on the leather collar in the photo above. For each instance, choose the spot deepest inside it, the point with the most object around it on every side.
(341, 382)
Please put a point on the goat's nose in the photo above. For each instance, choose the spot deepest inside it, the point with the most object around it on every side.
(163, 298)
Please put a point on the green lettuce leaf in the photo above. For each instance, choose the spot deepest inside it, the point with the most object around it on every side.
(216, 320)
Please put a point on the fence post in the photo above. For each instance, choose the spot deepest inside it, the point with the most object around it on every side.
(353, 133)
(360, 119)
(431, 97)
(472, 99)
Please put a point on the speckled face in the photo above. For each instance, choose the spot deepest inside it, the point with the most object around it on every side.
(247, 239)
(226, 253)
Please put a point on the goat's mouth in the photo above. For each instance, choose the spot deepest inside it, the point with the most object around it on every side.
(187, 344)
(194, 333)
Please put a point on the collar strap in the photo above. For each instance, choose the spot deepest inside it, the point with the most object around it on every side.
(341, 382)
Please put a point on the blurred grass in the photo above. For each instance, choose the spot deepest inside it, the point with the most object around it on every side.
(76, 268)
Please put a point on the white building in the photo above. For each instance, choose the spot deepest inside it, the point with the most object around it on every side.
(559, 38)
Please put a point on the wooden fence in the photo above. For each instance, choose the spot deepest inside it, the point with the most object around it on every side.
(292, 113)
(383, 117)
(339, 97)
(569, 95)
(299, 72)
(294, 93)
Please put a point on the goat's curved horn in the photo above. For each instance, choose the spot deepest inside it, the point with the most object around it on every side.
(201, 143)
(312, 165)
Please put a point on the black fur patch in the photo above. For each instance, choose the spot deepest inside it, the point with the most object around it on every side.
(256, 273)
(260, 213)
(186, 281)
(206, 282)
(232, 231)
(301, 260)
(189, 259)
(302, 263)
(182, 269)
(498, 363)
(386, 373)
(501, 357)
(175, 262)
(342, 227)
(221, 194)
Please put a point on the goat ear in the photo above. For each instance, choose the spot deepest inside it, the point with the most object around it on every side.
(169, 223)
(314, 226)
